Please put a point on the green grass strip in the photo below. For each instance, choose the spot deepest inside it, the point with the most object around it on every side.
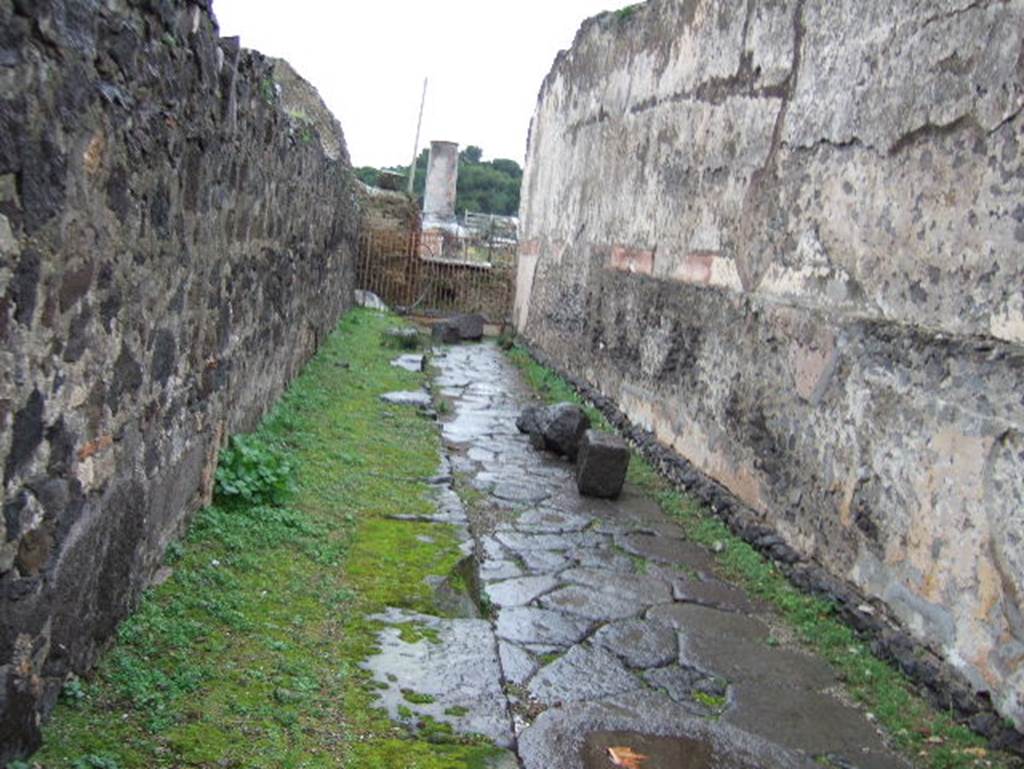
(248, 656)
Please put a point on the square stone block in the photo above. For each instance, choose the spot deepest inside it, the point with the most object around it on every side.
(602, 464)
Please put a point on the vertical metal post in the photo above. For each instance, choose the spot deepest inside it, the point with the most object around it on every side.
(416, 144)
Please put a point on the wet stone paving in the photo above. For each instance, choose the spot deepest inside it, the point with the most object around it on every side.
(597, 623)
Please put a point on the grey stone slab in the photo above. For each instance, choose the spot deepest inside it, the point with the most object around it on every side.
(812, 722)
(494, 571)
(418, 398)
(414, 363)
(568, 500)
(481, 455)
(558, 738)
(517, 663)
(582, 673)
(493, 549)
(666, 550)
(520, 542)
(528, 625)
(662, 528)
(591, 603)
(544, 521)
(521, 491)
(714, 593)
(640, 588)
(544, 561)
(541, 649)
(734, 646)
(691, 617)
(520, 591)
(741, 658)
(683, 684)
(468, 426)
(605, 559)
(461, 669)
(640, 643)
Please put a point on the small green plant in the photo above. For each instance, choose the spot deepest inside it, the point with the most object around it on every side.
(456, 710)
(251, 470)
(174, 552)
(73, 691)
(712, 702)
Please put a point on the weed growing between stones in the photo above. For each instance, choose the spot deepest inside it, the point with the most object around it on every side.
(248, 655)
(928, 737)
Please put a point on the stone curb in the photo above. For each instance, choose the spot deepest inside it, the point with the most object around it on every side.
(936, 680)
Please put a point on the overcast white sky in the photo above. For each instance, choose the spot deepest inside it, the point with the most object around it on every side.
(485, 60)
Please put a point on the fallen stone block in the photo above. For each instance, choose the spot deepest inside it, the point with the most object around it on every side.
(557, 428)
(446, 332)
(459, 328)
(470, 326)
(529, 421)
(603, 461)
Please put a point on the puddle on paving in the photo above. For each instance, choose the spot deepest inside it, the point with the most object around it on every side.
(660, 752)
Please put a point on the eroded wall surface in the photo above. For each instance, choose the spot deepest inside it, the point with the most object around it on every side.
(173, 245)
(788, 238)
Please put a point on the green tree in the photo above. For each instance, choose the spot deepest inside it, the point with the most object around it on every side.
(487, 187)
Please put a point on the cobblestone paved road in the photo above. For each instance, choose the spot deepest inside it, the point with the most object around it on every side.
(606, 626)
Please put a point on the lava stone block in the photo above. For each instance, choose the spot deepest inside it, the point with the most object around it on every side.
(471, 327)
(557, 428)
(603, 461)
(530, 419)
(459, 328)
(446, 332)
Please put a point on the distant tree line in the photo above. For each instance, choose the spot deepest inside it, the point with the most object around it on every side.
(488, 187)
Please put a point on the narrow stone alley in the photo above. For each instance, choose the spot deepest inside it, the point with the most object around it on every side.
(602, 625)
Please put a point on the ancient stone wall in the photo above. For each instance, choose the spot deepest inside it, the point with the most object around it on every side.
(173, 246)
(788, 238)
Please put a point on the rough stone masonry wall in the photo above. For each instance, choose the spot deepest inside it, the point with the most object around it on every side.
(173, 246)
(787, 237)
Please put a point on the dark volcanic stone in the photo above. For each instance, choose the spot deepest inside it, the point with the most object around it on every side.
(27, 433)
(603, 461)
(561, 428)
(470, 327)
(529, 421)
(446, 332)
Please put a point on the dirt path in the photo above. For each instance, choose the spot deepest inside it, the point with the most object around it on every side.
(603, 625)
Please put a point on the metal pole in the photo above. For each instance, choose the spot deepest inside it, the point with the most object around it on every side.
(416, 144)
